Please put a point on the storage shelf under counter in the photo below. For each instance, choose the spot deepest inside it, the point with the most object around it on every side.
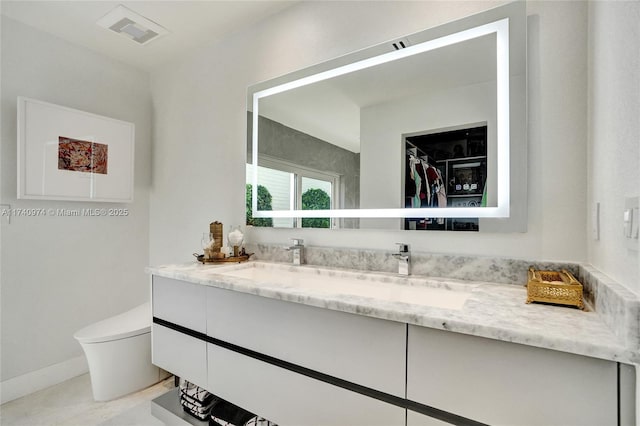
(167, 409)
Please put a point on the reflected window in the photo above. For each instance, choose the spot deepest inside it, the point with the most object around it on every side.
(284, 186)
(316, 195)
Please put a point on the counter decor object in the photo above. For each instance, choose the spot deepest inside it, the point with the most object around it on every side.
(241, 257)
(214, 252)
(208, 243)
(235, 238)
(554, 287)
(216, 229)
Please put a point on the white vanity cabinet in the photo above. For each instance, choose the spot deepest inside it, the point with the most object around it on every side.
(500, 383)
(182, 304)
(363, 350)
(291, 363)
(627, 380)
(297, 364)
(417, 419)
(353, 348)
(288, 398)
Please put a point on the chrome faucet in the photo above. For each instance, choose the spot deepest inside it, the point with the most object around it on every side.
(404, 258)
(297, 250)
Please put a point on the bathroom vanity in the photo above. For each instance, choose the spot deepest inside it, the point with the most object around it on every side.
(319, 346)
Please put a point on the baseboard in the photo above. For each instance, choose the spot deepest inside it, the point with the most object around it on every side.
(20, 386)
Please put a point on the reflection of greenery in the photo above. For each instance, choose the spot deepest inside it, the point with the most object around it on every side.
(264, 203)
(316, 199)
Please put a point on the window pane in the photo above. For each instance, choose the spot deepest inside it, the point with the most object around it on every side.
(275, 192)
(278, 184)
(316, 195)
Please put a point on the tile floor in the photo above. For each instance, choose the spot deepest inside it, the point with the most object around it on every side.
(71, 404)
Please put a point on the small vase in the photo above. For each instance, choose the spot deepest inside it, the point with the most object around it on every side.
(207, 244)
(235, 238)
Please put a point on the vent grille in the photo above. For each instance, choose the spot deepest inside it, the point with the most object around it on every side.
(401, 44)
(131, 25)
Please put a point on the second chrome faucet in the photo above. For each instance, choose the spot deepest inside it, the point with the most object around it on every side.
(404, 258)
(297, 250)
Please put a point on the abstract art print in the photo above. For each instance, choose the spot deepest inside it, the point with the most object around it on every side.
(82, 156)
(73, 155)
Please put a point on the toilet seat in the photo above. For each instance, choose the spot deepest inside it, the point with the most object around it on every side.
(132, 323)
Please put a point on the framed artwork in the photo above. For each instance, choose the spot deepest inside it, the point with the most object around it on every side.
(67, 154)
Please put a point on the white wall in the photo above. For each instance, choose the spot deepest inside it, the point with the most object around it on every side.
(614, 139)
(60, 274)
(200, 126)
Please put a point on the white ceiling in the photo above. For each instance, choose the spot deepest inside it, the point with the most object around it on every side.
(191, 24)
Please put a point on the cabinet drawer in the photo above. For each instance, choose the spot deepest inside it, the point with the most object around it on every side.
(502, 383)
(179, 354)
(288, 398)
(417, 419)
(180, 302)
(366, 351)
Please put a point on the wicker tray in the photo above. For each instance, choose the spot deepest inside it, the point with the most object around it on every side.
(554, 287)
(230, 259)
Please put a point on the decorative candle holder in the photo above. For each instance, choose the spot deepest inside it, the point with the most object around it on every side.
(216, 229)
(235, 238)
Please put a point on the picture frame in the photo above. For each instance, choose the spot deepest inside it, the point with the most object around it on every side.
(73, 155)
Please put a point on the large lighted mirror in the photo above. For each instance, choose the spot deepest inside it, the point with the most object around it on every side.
(426, 132)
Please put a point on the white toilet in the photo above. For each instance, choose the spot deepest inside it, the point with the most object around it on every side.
(118, 351)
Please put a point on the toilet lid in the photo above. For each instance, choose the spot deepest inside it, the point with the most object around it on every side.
(128, 324)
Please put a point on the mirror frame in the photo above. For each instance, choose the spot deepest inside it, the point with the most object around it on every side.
(499, 21)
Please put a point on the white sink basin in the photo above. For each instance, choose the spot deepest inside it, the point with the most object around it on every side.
(329, 282)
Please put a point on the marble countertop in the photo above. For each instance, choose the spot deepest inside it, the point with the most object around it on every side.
(484, 309)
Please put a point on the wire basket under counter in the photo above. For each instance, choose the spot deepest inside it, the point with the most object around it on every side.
(554, 287)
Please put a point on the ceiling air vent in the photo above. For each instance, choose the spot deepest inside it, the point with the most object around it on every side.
(131, 25)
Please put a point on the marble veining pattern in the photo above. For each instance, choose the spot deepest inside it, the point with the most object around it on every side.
(492, 310)
(490, 269)
(618, 306)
